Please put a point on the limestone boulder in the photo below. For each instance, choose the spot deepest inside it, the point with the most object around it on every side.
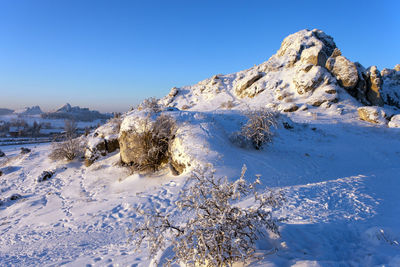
(372, 114)
(307, 46)
(344, 70)
(394, 121)
(374, 86)
(241, 88)
(308, 79)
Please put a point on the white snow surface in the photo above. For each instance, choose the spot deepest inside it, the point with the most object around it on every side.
(339, 175)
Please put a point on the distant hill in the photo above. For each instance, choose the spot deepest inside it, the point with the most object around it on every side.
(6, 111)
(35, 110)
(75, 113)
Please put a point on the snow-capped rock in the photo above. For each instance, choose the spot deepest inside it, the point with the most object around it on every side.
(372, 114)
(394, 121)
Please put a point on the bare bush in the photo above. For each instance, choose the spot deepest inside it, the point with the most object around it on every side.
(257, 130)
(69, 149)
(216, 231)
(151, 104)
(228, 104)
(150, 142)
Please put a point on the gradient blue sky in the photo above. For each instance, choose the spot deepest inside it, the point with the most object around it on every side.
(109, 55)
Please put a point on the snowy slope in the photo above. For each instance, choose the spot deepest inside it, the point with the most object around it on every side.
(339, 176)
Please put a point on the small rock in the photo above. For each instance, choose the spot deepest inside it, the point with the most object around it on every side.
(372, 114)
(15, 197)
(2, 154)
(46, 175)
(287, 126)
(1, 173)
(394, 121)
(25, 150)
(291, 108)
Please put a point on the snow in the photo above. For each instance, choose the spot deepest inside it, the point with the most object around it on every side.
(339, 176)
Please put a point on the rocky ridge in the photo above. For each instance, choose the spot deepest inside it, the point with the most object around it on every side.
(308, 74)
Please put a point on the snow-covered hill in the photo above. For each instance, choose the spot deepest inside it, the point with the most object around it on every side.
(339, 174)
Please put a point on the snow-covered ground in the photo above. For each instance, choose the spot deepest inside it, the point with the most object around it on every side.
(340, 180)
(339, 175)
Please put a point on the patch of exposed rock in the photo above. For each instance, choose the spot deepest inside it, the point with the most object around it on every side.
(242, 86)
(343, 69)
(102, 141)
(372, 114)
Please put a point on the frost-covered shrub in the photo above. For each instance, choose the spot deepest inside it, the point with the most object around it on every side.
(151, 104)
(257, 130)
(228, 104)
(215, 230)
(69, 149)
(149, 142)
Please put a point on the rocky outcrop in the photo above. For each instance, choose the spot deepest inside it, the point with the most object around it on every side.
(145, 141)
(308, 79)
(309, 47)
(343, 69)
(397, 67)
(372, 114)
(374, 86)
(245, 83)
(102, 141)
(391, 86)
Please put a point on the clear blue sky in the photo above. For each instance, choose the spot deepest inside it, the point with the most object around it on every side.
(109, 55)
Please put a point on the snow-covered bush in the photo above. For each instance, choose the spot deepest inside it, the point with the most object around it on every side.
(150, 142)
(68, 149)
(215, 230)
(257, 130)
(151, 104)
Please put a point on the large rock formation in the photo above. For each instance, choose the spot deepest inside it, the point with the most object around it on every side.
(309, 47)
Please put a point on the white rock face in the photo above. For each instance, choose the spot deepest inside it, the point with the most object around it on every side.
(315, 44)
(394, 121)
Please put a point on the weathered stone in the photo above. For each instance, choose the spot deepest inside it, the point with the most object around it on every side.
(372, 114)
(291, 108)
(246, 83)
(315, 44)
(344, 70)
(397, 67)
(25, 150)
(394, 121)
(374, 85)
(309, 81)
(314, 55)
(176, 167)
